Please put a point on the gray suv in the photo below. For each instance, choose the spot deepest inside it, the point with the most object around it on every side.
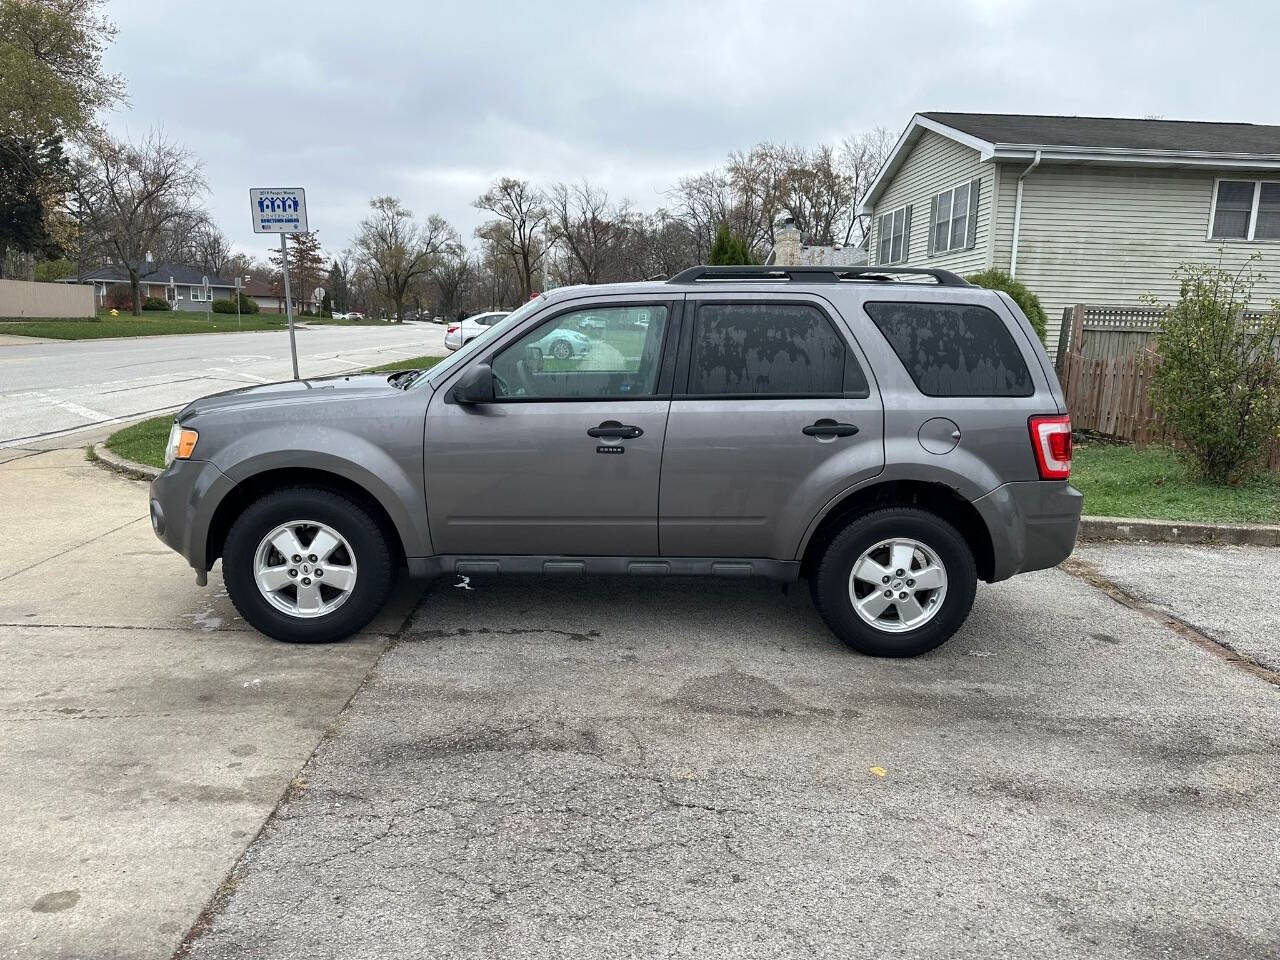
(891, 435)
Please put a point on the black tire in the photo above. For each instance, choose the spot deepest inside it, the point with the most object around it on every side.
(562, 350)
(375, 570)
(830, 582)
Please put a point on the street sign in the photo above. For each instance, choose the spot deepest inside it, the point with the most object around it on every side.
(318, 294)
(278, 209)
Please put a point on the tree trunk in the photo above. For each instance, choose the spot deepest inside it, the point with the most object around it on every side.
(135, 290)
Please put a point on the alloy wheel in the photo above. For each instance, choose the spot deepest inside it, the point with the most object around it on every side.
(898, 585)
(305, 569)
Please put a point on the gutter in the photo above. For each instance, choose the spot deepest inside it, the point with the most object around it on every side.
(1017, 216)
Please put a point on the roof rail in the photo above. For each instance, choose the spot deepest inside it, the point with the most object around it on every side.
(833, 274)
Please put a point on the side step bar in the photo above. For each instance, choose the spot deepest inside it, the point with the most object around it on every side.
(785, 571)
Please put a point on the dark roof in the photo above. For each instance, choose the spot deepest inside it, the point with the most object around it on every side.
(257, 288)
(1115, 132)
(156, 273)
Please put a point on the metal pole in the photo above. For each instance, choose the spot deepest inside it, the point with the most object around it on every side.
(288, 305)
(237, 301)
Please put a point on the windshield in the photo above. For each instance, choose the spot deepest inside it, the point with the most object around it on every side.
(461, 355)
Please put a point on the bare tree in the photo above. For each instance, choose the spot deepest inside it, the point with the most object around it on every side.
(452, 276)
(210, 249)
(134, 199)
(521, 211)
(862, 156)
(595, 233)
(395, 250)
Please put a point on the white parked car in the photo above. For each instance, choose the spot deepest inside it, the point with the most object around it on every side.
(457, 334)
(339, 316)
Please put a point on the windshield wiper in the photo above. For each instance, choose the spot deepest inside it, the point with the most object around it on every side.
(402, 378)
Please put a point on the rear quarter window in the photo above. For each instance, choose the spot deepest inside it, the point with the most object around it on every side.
(953, 349)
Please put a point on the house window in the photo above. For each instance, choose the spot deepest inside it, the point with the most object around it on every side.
(952, 219)
(1245, 210)
(197, 294)
(893, 240)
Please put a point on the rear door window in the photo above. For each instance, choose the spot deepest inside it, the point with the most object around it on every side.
(953, 349)
(770, 350)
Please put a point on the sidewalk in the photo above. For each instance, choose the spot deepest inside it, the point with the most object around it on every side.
(145, 732)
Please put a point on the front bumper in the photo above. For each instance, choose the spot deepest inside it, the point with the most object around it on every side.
(1033, 524)
(183, 499)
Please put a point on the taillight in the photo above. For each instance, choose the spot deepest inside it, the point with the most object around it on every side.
(453, 328)
(1051, 440)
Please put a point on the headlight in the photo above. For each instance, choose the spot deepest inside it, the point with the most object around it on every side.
(182, 443)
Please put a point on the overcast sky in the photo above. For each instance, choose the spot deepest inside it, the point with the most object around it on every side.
(430, 101)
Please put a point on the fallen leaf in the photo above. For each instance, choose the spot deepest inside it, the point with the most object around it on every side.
(879, 771)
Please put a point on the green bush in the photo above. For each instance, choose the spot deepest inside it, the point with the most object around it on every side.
(1216, 382)
(1024, 298)
(729, 248)
(248, 305)
(156, 303)
(224, 306)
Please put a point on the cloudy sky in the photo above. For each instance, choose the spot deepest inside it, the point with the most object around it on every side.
(430, 101)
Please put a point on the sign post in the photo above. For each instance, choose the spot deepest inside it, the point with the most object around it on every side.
(204, 292)
(237, 301)
(281, 210)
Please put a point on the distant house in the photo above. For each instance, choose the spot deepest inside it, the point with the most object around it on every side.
(270, 297)
(1081, 209)
(789, 249)
(181, 285)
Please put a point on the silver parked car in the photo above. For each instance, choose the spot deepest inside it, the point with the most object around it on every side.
(891, 442)
(461, 332)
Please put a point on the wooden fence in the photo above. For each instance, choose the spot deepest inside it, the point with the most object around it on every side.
(1105, 358)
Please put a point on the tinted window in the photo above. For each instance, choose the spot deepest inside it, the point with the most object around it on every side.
(953, 349)
(782, 349)
(597, 352)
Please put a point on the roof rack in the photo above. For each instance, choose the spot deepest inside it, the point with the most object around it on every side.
(834, 274)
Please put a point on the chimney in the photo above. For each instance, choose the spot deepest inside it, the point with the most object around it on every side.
(786, 244)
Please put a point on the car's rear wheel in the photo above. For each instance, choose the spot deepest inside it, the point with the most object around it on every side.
(895, 583)
(562, 350)
(307, 565)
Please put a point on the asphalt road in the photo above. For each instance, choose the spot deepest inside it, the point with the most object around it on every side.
(48, 389)
(593, 768)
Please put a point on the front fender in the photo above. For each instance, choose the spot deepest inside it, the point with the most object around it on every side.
(388, 468)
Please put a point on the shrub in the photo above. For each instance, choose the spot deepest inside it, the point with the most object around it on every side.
(729, 248)
(1024, 298)
(247, 304)
(119, 297)
(224, 306)
(155, 303)
(1216, 382)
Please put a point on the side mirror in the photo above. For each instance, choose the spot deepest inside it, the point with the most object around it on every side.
(476, 385)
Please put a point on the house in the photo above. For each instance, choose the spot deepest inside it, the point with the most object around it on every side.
(270, 297)
(1081, 209)
(181, 285)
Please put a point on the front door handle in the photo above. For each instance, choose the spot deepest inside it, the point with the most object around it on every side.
(830, 428)
(613, 430)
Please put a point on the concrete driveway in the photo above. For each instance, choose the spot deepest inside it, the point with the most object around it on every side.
(592, 768)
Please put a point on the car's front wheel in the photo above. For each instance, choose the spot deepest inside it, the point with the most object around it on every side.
(562, 350)
(307, 565)
(897, 582)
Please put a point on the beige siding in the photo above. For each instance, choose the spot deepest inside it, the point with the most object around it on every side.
(934, 164)
(1109, 236)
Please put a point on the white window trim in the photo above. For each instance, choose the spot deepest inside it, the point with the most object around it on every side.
(1253, 211)
(964, 243)
(879, 219)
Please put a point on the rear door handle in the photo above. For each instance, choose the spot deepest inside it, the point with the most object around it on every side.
(613, 430)
(830, 428)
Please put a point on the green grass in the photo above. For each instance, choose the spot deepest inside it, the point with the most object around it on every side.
(413, 363)
(143, 442)
(152, 323)
(1156, 484)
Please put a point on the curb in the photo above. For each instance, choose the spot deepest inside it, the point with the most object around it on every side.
(118, 464)
(1173, 531)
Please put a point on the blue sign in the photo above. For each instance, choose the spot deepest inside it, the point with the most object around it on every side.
(278, 209)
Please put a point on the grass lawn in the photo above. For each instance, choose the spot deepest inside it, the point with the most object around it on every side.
(152, 323)
(1156, 484)
(413, 363)
(143, 442)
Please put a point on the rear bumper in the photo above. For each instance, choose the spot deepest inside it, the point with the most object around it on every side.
(1033, 524)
